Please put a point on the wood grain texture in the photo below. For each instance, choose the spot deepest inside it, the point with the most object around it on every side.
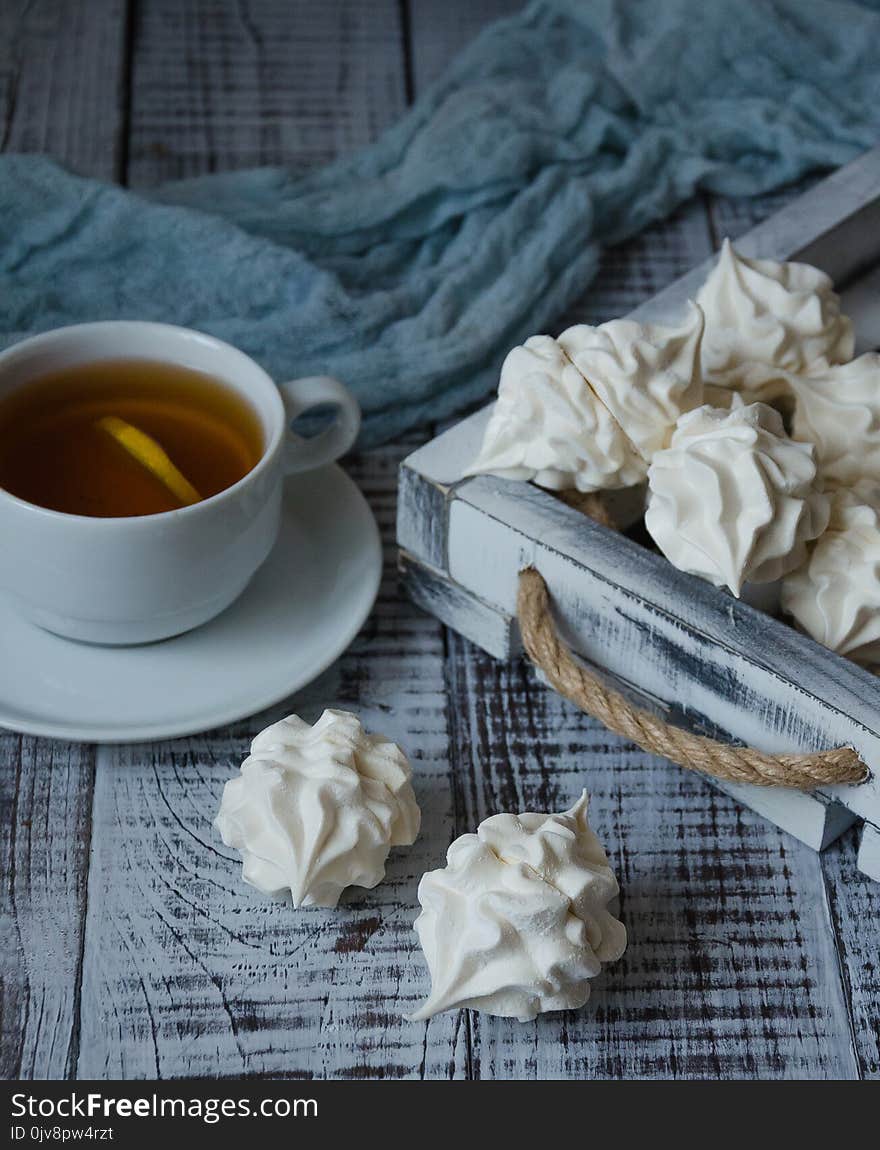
(731, 968)
(730, 218)
(430, 590)
(46, 791)
(674, 637)
(219, 85)
(62, 81)
(854, 912)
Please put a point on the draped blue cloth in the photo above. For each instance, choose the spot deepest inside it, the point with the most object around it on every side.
(409, 268)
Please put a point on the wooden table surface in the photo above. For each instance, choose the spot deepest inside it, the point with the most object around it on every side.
(130, 945)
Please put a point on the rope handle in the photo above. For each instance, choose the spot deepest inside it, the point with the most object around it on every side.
(586, 690)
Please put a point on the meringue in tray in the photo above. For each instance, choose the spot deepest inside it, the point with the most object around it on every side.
(316, 809)
(517, 923)
(838, 409)
(763, 316)
(733, 498)
(739, 491)
(835, 596)
(588, 410)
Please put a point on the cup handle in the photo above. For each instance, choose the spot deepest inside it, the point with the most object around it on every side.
(299, 395)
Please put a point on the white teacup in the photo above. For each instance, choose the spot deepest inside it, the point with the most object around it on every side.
(138, 579)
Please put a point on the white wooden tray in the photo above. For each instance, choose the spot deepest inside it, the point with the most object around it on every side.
(677, 644)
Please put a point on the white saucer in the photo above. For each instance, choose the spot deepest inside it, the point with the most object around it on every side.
(303, 608)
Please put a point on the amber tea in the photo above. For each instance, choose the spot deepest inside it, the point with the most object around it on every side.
(125, 437)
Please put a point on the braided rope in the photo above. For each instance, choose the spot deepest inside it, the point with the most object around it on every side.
(696, 752)
(588, 503)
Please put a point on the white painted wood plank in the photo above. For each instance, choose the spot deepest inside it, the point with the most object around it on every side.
(731, 968)
(219, 85)
(854, 913)
(62, 77)
(811, 818)
(46, 792)
(190, 972)
(732, 218)
(62, 81)
(868, 858)
(670, 635)
(430, 590)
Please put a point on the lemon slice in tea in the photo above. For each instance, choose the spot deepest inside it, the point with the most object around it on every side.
(152, 456)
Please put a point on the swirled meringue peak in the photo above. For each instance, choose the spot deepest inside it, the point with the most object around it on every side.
(317, 809)
(838, 409)
(835, 595)
(517, 922)
(732, 499)
(762, 316)
(647, 375)
(549, 426)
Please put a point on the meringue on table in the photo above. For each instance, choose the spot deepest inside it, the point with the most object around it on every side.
(835, 595)
(316, 809)
(764, 318)
(517, 922)
(588, 410)
(733, 498)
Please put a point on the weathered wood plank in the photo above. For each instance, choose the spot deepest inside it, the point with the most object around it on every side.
(437, 32)
(219, 85)
(433, 592)
(46, 803)
(190, 972)
(731, 968)
(730, 218)
(63, 80)
(854, 912)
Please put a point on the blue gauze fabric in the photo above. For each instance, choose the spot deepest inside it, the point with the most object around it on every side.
(409, 268)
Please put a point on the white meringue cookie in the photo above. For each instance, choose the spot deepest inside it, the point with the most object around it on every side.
(762, 316)
(645, 374)
(517, 922)
(835, 595)
(317, 809)
(732, 499)
(550, 427)
(838, 409)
